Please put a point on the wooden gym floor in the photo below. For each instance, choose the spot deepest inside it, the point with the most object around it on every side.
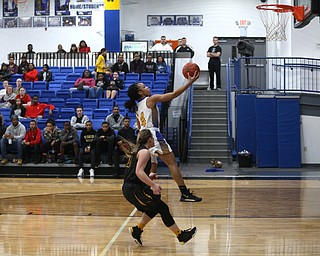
(240, 215)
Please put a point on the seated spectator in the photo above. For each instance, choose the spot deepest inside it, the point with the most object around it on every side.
(4, 90)
(136, 66)
(73, 48)
(150, 66)
(69, 142)
(161, 65)
(85, 82)
(115, 120)
(23, 66)
(83, 47)
(12, 140)
(105, 141)
(127, 133)
(36, 109)
(51, 145)
(18, 85)
(31, 75)
(87, 142)
(30, 53)
(18, 109)
(24, 97)
(115, 85)
(32, 143)
(60, 49)
(12, 67)
(102, 82)
(5, 74)
(2, 127)
(8, 99)
(45, 74)
(120, 66)
(79, 122)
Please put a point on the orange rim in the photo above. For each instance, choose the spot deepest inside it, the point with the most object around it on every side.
(298, 11)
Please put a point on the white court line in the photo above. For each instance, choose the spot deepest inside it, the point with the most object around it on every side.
(114, 238)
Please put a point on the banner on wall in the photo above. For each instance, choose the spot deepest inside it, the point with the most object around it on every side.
(62, 7)
(41, 7)
(10, 8)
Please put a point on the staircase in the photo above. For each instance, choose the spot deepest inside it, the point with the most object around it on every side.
(209, 126)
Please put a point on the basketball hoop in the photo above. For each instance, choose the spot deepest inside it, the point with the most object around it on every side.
(275, 18)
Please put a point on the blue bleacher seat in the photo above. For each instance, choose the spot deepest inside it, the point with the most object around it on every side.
(67, 113)
(66, 70)
(54, 86)
(27, 85)
(66, 85)
(100, 113)
(88, 112)
(5, 112)
(44, 100)
(25, 122)
(40, 85)
(120, 102)
(79, 69)
(55, 113)
(147, 83)
(63, 94)
(60, 122)
(72, 103)
(41, 123)
(73, 76)
(132, 76)
(54, 69)
(58, 102)
(48, 94)
(122, 75)
(79, 94)
(34, 92)
(59, 76)
(162, 76)
(14, 77)
(90, 103)
(147, 76)
(39, 69)
(106, 103)
(160, 84)
(97, 123)
(92, 68)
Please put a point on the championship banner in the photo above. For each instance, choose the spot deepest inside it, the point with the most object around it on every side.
(111, 5)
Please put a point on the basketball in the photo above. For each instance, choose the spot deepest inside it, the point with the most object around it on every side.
(190, 68)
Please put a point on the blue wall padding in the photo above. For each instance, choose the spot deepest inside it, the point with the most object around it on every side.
(246, 123)
(112, 30)
(288, 115)
(267, 132)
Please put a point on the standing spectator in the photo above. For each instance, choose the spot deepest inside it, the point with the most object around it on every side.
(85, 82)
(32, 142)
(162, 46)
(73, 48)
(60, 49)
(101, 62)
(32, 74)
(5, 74)
(45, 74)
(136, 66)
(184, 47)
(30, 53)
(214, 53)
(69, 142)
(36, 109)
(115, 120)
(12, 138)
(102, 84)
(18, 85)
(161, 65)
(83, 47)
(18, 109)
(150, 66)
(51, 146)
(105, 141)
(79, 122)
(12, 67)
(115, 85)
(87, 142)
(24, 97)
(120, 66)
(23, 66)
(8, 99)
(3, 91)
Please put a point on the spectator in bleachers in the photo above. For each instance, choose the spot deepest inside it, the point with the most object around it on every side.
(115, 120)
(83, 47)
(136, 66)
(18, 85)
(12, 138)
(18, 109)
(85, 82)
(32, 74)
(105, 141)
(73, 48)
(87, 142)
(162, 46)
(5, 74)
(4, 90)
(30, 53)
(60, 49)
(102, 82)
(12, 67)
(150, 66)
(115, 85)
(24, 65)
(51, 145)
(120, 66)
(69, 142)
(45, 74)
(2, 127)
(36, 109)
(101, 62)
(32, 143)
(24, 97)
(161, 65)
(79, 121)
(8, 99)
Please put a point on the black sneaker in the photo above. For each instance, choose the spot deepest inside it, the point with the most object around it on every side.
(186, 235)
(190, 197)
(136, 234)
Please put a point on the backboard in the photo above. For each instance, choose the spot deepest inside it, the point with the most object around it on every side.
(311, 10)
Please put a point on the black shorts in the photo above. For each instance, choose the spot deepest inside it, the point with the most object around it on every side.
(141, 197)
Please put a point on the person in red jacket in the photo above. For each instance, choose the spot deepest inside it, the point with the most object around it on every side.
(32, 143)
(31, 75)
(36, 109)
(83, 47)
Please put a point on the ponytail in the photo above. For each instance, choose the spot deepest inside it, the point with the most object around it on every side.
(133, 95)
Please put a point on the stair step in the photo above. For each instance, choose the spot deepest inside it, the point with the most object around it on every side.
(209, 146)
(208, 153)
(208, 120)
(210, 127)
(209, 114)
(199, 133)
(207, 160)
(213, 139)
(205, 104)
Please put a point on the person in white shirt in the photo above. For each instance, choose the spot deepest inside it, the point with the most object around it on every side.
(4, 90)
(162, 46)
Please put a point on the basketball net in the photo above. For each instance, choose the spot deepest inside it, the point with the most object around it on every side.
(22, 5)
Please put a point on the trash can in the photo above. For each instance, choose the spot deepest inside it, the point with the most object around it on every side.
(244, 159)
